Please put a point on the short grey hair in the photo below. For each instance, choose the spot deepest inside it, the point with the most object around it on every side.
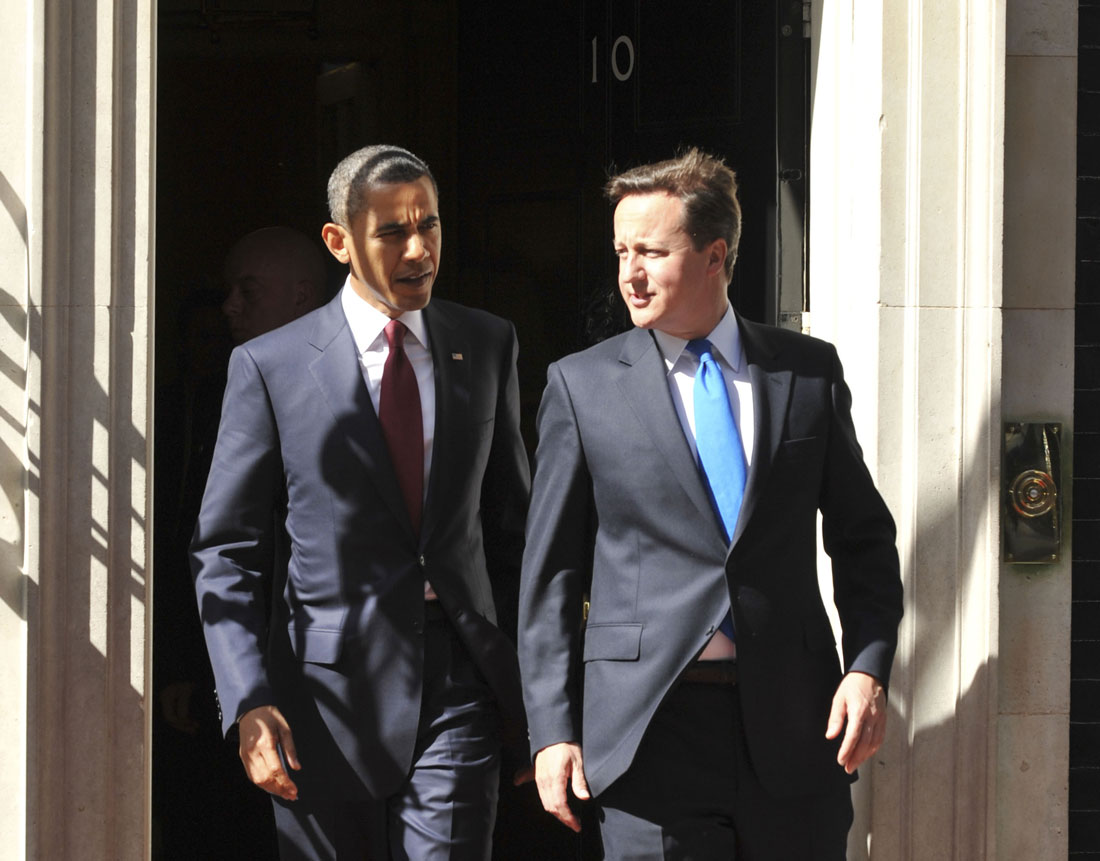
(364, 170)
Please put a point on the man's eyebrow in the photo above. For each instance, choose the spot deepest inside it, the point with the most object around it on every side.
(401, 225)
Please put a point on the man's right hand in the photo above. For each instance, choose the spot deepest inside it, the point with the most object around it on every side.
(263, 731)
(556, 768)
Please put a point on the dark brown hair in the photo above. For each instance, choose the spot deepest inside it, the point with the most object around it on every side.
(705, 186)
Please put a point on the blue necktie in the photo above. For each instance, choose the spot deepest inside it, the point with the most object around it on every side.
(721, 454)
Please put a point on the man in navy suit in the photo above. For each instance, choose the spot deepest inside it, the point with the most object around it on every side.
(677, 659)
(382, 432)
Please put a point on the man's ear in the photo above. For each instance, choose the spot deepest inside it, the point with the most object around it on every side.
(305, 295)
(336, 240)
(716, 256)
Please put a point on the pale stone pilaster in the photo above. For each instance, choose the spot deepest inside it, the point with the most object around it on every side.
(907, 168)
(83, 320)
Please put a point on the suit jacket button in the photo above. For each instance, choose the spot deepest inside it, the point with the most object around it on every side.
(421, 561)
(418, 626)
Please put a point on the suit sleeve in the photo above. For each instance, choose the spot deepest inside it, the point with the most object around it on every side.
(859, 536)
(230, 550)
(556, 570)
(505, 492)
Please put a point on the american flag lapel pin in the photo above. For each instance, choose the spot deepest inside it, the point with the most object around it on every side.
(456, 356)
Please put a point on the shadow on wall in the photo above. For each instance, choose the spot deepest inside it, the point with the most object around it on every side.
(73, 453)
(941, 706)
(14, 479)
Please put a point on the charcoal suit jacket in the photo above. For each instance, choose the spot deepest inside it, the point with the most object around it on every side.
(340, 648)
(620, 514)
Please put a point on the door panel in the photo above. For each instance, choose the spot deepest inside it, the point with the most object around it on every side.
(547, 113)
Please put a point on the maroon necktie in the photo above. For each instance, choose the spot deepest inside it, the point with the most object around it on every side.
(399, 414)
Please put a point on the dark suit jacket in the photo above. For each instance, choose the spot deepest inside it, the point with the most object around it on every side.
(344, 654)
(620, 511)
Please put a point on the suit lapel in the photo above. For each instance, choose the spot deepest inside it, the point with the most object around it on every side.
(771, 392)
(644, 382)
(340, 379)
(451, 362)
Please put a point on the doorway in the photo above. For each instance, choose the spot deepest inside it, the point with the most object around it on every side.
(522, 116)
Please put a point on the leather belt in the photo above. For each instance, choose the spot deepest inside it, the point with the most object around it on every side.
(710, 673)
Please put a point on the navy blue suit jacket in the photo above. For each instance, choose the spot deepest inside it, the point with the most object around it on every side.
(620, 511)
(341, 651)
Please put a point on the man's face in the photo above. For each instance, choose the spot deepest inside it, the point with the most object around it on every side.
(393, 246)
(666, 284)
(260, 295)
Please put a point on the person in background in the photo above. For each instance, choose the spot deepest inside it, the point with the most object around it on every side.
(205, 806)
(272, 276)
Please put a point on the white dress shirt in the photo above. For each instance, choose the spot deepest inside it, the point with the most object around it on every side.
(367, 326)
(681, 365)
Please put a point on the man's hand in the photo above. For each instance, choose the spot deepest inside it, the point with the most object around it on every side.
(861, 700)
(263, 731)
(175, 706)
(557, 767)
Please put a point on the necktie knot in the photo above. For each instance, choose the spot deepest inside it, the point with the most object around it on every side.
(395, 334)
(701, 347)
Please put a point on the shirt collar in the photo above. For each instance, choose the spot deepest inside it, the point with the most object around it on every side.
(725, 338)
(367, 322)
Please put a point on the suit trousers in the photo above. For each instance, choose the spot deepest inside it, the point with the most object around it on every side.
(691, 793)
(446, 809)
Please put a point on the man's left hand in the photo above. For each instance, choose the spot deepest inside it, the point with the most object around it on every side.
(861, 700)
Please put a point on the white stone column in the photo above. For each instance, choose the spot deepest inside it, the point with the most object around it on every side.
(76, 161)
(906, 272)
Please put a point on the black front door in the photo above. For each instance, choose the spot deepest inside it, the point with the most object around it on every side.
(523, 114)
(547, 110)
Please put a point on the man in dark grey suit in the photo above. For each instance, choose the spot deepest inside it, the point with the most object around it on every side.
(384, 432)
(701, 701)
